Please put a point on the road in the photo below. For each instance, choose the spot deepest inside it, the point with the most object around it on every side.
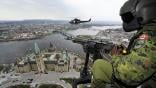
(50, 78)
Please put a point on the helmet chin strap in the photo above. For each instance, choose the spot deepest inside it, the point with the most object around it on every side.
(132, 41)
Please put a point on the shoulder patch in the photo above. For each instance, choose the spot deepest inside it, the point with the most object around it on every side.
(144, 36)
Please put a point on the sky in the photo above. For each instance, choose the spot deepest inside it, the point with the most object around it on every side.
(100, 10)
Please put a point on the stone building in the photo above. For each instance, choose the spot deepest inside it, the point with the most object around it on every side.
(42, 61)
(23, 67)
(63, 63)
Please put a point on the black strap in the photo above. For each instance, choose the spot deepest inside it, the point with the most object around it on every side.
(132, 41)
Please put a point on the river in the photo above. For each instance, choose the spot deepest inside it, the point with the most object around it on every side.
(10, 50)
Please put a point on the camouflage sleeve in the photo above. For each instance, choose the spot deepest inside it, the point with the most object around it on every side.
(140, 63)
(130, 69)
(102, 73)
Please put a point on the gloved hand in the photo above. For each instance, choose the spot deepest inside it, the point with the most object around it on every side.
(118, 50)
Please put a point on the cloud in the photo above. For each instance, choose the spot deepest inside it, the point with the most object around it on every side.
(98, 9)
(60, 9)
(29, 1)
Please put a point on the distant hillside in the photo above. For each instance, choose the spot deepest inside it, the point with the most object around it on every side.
(34, 22)
(106, 23)
(28, 22)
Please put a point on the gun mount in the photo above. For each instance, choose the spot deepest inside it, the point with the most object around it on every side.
(98, 50)
(95, 49)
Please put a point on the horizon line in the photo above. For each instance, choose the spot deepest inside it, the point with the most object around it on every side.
(56, 20)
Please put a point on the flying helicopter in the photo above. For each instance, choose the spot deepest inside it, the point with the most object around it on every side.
(78, 21)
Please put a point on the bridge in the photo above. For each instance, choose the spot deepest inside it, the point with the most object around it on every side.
(67, 35)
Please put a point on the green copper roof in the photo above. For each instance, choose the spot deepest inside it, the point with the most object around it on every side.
(65, 55)
(37, 49)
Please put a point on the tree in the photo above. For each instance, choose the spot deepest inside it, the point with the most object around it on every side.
(50, 86)
(1, 67)
(57, 56)
(20, 86)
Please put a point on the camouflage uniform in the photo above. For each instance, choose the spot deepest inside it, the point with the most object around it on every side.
(133, 68)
